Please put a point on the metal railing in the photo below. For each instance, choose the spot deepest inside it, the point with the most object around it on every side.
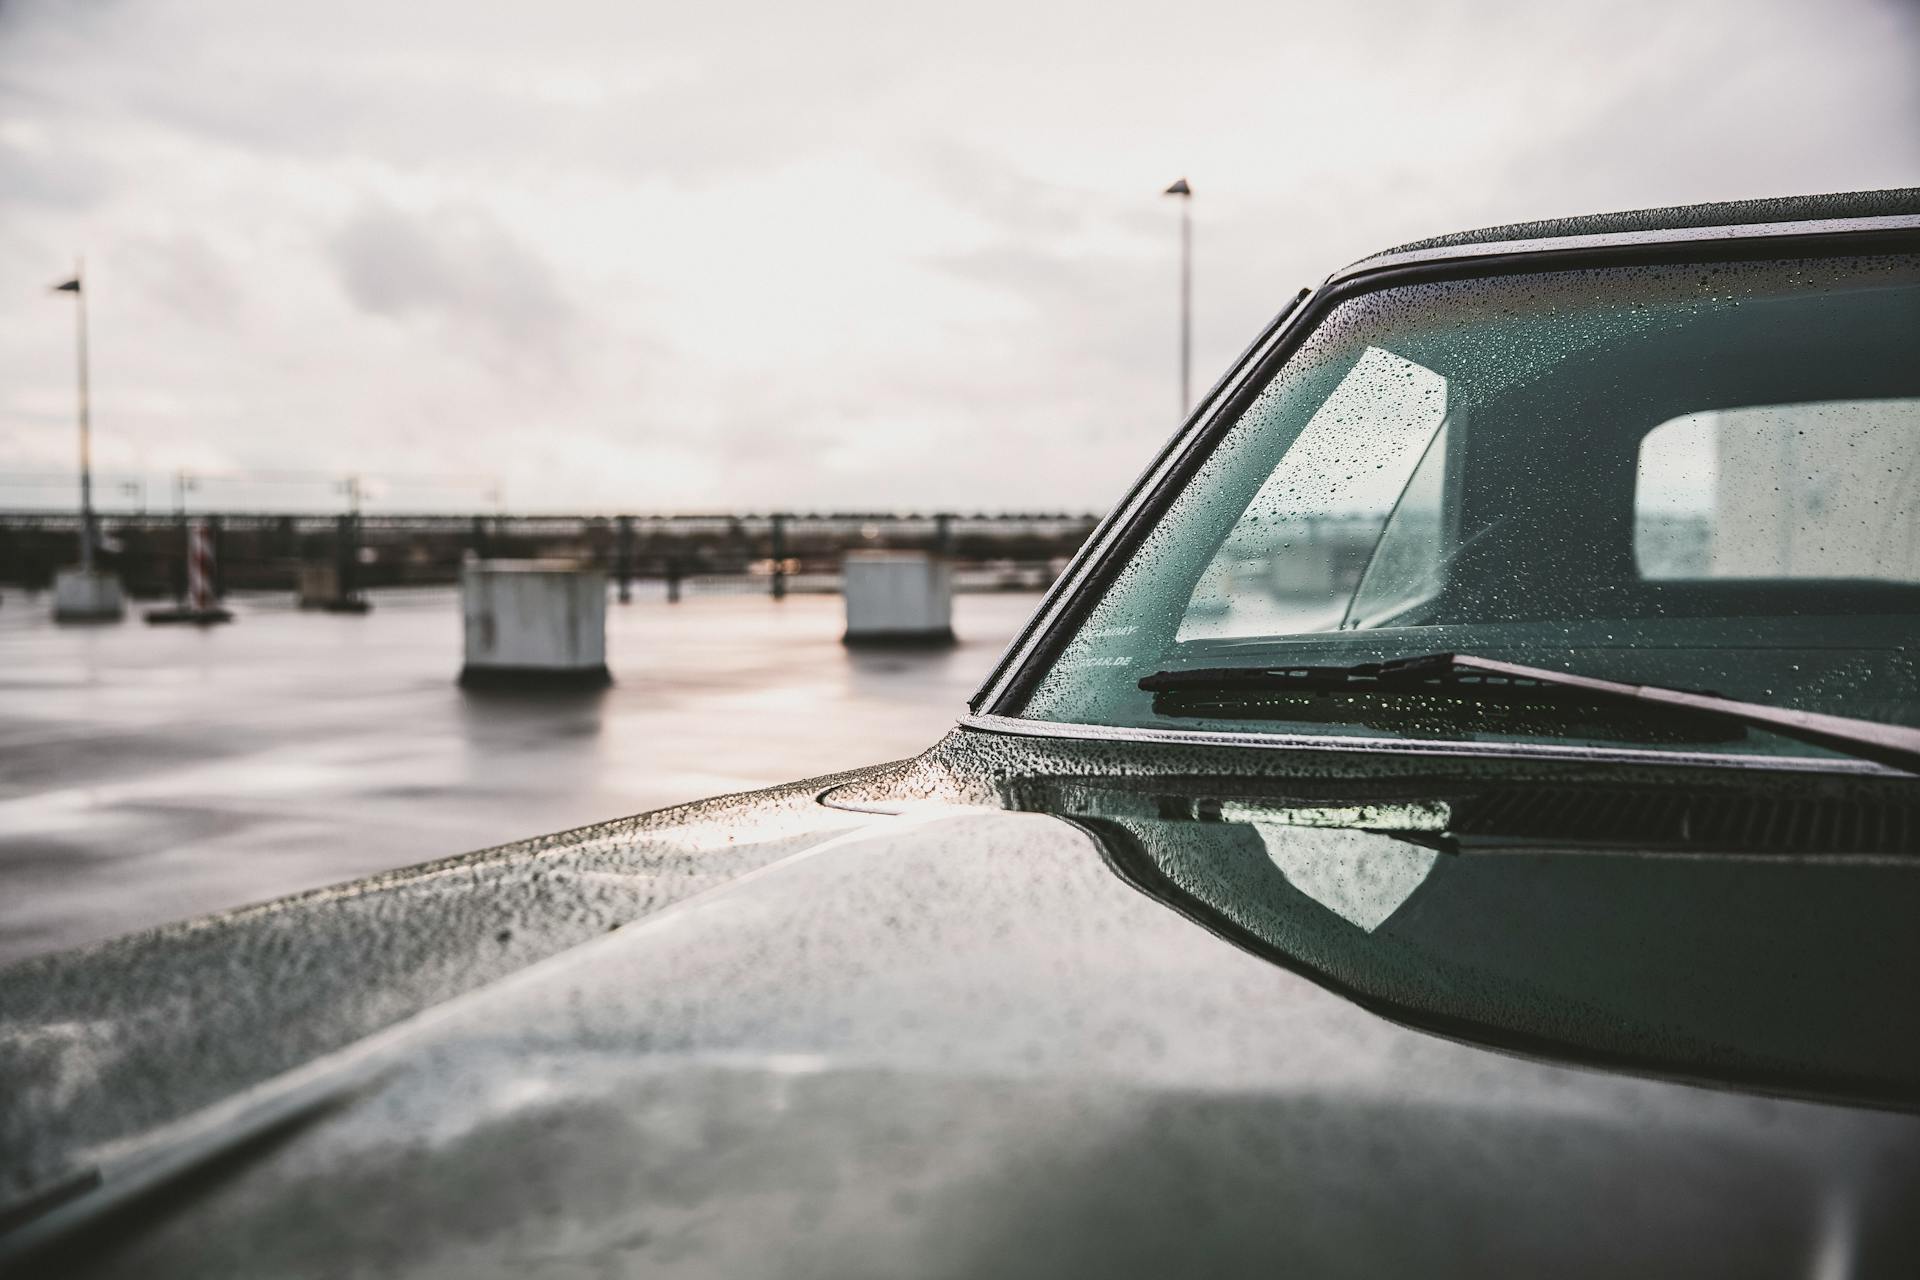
(773, 550)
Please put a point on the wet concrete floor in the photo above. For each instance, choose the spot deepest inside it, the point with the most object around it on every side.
(149, 774)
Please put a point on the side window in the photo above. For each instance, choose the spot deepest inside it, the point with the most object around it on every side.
(1292, 561)
(1782, 491)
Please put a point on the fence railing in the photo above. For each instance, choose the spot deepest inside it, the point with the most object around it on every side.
(770, 550)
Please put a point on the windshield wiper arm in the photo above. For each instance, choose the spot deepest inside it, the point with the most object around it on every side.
(1888, 744)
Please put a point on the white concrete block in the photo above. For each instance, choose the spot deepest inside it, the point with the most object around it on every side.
(83, 596)
(534, 622)
(319, 585)
(1300, 571)
(898, 597)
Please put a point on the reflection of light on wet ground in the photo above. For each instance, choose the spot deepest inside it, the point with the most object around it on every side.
(148, 774)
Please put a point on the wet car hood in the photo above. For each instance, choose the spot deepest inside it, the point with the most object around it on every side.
(914, 1034)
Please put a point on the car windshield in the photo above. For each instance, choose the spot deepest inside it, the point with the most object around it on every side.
(1697, 476)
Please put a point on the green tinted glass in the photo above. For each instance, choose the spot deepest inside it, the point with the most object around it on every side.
(1696, 476)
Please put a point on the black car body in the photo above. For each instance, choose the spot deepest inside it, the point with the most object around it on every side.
(1187, 980)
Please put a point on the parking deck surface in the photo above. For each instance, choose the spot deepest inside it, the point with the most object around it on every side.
(149, 774)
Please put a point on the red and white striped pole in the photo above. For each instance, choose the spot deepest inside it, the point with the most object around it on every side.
(200, 607)
(200, 567)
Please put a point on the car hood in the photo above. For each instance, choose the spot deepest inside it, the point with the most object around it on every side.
(948, 1040)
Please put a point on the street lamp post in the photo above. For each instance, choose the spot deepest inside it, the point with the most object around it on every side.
(84, 593)
(79, 293)
(1185, 192)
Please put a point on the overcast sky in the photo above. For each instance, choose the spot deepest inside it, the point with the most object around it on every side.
(737, 256)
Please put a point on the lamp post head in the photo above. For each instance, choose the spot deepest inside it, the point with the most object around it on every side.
(1179, 188)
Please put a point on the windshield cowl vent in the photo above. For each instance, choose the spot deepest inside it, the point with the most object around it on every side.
(1743, 822)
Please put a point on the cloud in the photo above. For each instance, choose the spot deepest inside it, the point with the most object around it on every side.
(1788, 105)
(34, 173)
(1015, 202)
(190, 278)
(457, 268)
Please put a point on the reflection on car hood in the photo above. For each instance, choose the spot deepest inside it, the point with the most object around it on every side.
(947, 1042)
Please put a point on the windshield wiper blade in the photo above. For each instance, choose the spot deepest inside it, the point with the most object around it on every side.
(1890, 744)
